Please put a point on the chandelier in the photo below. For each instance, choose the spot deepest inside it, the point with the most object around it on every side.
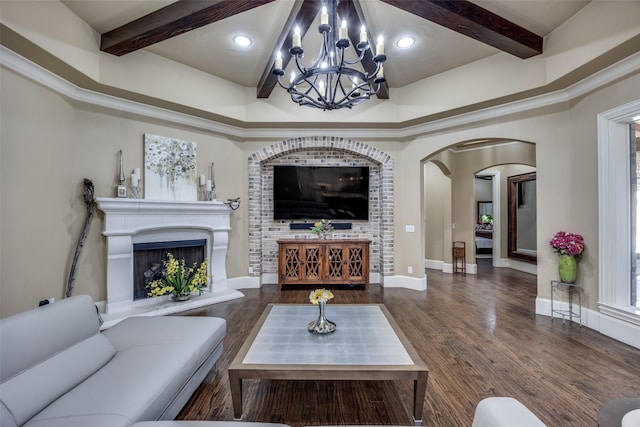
(330, 82)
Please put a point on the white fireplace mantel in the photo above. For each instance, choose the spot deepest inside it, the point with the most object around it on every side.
(131, 221)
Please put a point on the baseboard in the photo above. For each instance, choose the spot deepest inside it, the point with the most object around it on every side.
(525, 267)
(415, 283)
(433, 264)
(448, 268)
(244, 282)
(619, 330)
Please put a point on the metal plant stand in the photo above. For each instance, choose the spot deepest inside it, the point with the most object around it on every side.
(570, 288)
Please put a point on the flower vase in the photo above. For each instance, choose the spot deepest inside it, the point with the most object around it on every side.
(321, 325)
(567, 268)
(181, 297)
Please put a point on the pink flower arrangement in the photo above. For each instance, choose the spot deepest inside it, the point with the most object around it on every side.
(568, 243)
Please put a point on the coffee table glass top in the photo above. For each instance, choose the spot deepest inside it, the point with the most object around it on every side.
(363, 336)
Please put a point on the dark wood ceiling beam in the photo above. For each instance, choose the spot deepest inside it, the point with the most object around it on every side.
(352, 12)
(170, 21)
(476, 22)
(302, 14)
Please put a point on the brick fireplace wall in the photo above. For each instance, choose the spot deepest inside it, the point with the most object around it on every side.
(318, 151)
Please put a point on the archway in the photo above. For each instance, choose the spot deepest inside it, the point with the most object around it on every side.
(329, 151)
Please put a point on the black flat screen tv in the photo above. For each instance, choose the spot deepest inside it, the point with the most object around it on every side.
(321, 192)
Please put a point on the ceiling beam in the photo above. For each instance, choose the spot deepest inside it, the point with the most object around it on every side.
(476, 22)
(170, 21)
(302, 14)
(352, 12)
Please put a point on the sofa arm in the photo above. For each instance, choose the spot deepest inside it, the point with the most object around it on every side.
(504, 412)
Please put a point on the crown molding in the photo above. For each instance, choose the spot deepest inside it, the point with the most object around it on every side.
(44, 77)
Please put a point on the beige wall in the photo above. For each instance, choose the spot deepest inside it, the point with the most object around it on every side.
(49, 145)
(565, 141)
(437, 211)
(600, 28)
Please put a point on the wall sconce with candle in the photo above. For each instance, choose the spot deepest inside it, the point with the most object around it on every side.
(233, 203)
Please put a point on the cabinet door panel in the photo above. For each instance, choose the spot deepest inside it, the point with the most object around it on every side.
(312, 263)
(292, 264)
(335, 264)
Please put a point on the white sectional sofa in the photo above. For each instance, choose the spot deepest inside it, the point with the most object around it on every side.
(58, 370)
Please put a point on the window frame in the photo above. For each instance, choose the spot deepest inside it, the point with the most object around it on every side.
(614, 208)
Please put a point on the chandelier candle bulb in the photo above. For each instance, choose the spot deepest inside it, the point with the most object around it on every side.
(321, 88)
(278, 65)
(380, 46)
(324, 17)
(381, 72)
(343, 30)
(297, 42)
(363, 34)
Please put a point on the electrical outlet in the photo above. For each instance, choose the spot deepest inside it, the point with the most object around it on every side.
(46, 301)
(250, 270)
(410, 270)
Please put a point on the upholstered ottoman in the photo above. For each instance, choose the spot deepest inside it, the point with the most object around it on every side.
(504, 412)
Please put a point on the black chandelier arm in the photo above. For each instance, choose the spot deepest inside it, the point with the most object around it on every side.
(332, 81)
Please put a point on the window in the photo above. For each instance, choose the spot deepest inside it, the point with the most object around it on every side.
(618, 222)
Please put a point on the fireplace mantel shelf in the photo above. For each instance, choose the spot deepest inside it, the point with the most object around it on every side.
(141, 206)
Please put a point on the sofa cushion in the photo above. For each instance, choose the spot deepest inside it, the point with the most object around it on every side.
(46, 352)
(156, 357)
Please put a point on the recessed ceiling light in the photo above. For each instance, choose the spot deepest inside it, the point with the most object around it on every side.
(242, 41)
(405, 42)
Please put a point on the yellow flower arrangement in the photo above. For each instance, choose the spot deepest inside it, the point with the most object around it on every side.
(320, 295)
(322, 228)
(179, 280)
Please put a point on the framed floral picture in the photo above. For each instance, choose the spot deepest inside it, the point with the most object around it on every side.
(169, 168)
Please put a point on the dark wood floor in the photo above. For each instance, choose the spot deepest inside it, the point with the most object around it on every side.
(479, 336)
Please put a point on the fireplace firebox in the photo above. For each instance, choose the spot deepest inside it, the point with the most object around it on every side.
(149, 258)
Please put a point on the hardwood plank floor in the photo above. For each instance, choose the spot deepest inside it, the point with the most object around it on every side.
(479, 336)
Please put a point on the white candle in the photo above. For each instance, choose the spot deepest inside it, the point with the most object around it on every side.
(324, 17)
(278, 61)
(381, 72)
(137, 172)
(203, 181)
(296, 37)
(208, 185)
(380, 46)
(321, 88)
(134, 180)
(343, 30)
(363, 34)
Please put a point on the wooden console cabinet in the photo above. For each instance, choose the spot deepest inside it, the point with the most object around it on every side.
(323, 262)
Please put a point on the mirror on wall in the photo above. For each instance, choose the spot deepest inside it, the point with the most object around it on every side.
(522, 232)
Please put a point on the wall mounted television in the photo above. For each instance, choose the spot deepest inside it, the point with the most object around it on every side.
(320, 192)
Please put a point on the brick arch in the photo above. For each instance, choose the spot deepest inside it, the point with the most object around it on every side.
(263, 230)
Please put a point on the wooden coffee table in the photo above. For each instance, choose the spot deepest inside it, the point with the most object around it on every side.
(367, 345)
